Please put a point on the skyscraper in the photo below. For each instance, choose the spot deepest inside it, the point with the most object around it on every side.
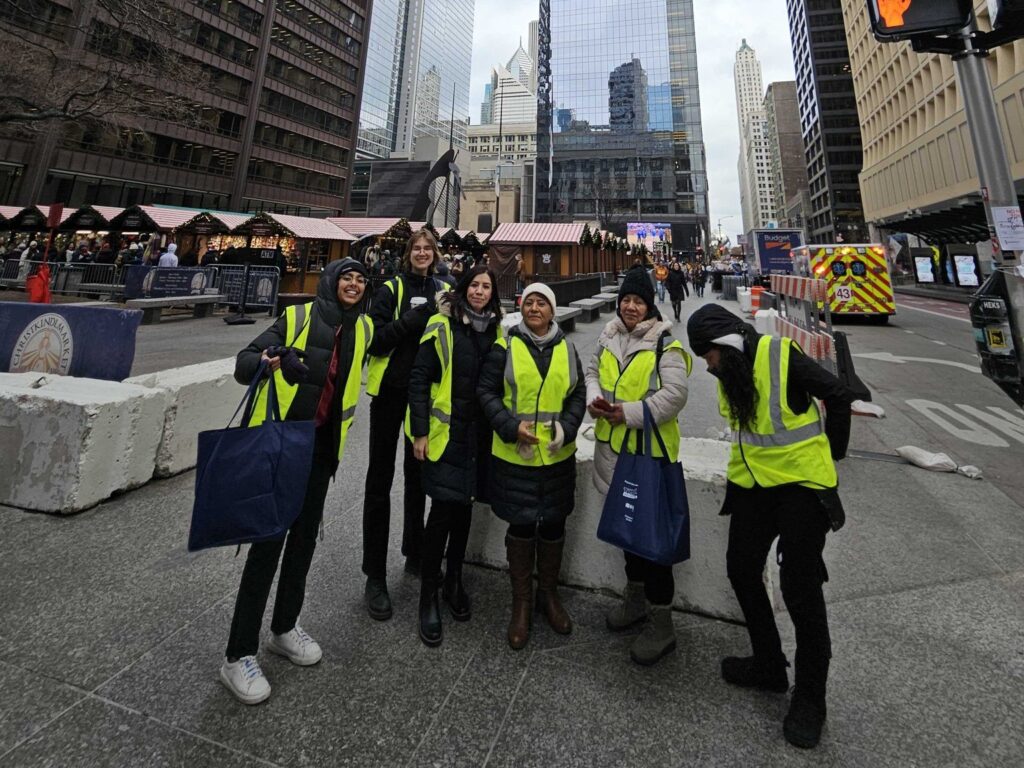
(755, 178)
(828, 120)
(610, 146)
(508, 97)
(418, 66)
(785, 147)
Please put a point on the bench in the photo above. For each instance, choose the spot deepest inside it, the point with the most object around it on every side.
(610, 288)
(101, 289)
(152, 308)
(610, 300)
(591, 308)
(566, 318)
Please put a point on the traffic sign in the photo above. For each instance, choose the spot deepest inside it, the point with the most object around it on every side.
(903, 19)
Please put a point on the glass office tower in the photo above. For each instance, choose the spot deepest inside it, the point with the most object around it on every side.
(618, 116)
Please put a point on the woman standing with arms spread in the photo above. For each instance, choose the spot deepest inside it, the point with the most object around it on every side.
(533, 393)
(451, 436)
(334, 338)
(676, 287)
(636, 363)
(399, 313)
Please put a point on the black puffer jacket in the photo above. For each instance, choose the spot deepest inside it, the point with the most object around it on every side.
(401, 338)
(676, 284)
(324, 320)
(525, 495)
(461, 473)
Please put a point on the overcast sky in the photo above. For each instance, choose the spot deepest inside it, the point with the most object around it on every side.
(721, 25)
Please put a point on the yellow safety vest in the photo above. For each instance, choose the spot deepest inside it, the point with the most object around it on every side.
(379, 363)
(439, 328)
(638, 380)
(781, 447)
(297, 329)
(530, 397)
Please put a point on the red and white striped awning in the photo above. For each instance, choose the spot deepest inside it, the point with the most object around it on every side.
(524, 234)
(305, 228)
(371, 226)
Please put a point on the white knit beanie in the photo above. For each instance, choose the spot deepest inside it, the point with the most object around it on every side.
(543, 290)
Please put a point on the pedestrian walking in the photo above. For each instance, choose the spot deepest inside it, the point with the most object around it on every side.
(451, 437)
(700, 277)
(637, 362)
(533, 394)
(333, 338)
(400, 310)
(781, 484)
(660, 276)
(676, 282)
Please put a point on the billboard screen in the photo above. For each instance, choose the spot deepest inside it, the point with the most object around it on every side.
(648, 233)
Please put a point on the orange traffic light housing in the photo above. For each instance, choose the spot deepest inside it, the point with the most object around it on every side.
(904, 19)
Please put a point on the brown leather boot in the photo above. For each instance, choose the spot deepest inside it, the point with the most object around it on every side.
(549, 563)
(520, 570)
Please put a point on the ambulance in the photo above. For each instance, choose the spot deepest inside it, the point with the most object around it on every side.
(858, 278)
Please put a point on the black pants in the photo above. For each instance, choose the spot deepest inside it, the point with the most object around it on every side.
(677, 307)
(547, 531)
(261, 565)
(794, 515)
(447, 526)
(659, 583)
(387, 414)
(698, 287)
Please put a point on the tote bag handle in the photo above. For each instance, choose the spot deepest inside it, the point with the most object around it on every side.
(650, 429)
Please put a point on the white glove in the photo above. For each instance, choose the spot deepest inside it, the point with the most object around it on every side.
(558, 441)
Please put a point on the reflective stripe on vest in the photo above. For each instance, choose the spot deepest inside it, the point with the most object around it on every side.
(529, 397)
(638, 380)
(781, 447)
(297, 324)
(379, 363)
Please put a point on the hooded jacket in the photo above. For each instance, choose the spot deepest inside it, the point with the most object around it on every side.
(324, 320)
(169, 258)
(461, 473)
(523, 495)
(401, 337)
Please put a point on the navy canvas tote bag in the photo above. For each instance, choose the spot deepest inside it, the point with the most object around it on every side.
(251, 481)
(646, 511)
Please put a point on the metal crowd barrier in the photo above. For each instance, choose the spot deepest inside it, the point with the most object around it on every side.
(261, 292)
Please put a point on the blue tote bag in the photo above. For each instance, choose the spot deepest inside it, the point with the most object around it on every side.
(250, 481)
(646, 511)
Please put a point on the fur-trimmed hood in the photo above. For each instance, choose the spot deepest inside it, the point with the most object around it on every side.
(644, 336)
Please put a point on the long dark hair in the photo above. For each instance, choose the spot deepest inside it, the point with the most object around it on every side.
(736, 373)
(462, 289)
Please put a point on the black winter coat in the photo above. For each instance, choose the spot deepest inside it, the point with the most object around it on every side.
(525, 495)
(401, 337)
(461, 473)
(676, 284)
(324, 320)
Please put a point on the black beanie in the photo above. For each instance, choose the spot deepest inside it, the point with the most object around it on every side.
(712, 322)
(638, 282)
(351, 265)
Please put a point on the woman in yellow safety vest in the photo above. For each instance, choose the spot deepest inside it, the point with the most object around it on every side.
(532, 392)
(636, 362)
(332, 337)
(451, 437)
(781, 484)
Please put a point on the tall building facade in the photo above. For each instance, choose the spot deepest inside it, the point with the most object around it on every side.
(828, 120)
(417, 75)
(276, 116)
(919, 173)
(785, 148)
(754, 164)
(601, 65)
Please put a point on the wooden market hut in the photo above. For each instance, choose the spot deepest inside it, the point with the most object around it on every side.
(548, 250)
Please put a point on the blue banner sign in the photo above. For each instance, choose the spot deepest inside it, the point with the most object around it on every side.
(89, 342)
(145, 282)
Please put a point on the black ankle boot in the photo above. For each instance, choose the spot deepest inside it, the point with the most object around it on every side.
(378, 601)
(454, 594)
(802, 725)
(750, 672)
(430, 613)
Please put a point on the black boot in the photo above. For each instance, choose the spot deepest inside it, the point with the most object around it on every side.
(378, 601)
(430, 613)
(749, 672)
(454, 593)
(802, 726)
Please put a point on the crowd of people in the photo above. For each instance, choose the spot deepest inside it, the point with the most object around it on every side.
(493, 416)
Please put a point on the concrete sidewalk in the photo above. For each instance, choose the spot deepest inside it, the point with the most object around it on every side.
(113, 634)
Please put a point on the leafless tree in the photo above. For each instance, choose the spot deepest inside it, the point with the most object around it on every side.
(98, 65)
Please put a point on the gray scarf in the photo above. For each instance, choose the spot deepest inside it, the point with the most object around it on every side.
(540, 341)
(479, 322)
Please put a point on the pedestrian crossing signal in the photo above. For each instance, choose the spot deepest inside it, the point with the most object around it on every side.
(904, 19)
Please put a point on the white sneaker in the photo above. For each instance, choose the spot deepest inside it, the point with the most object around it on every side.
(245, 680)
(296, 646)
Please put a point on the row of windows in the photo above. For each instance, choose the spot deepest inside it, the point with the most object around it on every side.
(40, 16)
(309, 83)
(235, 12)
(151, 148)
(318, 26)
(312, 53)
(304, 146)
(286, 106)
(295, 178)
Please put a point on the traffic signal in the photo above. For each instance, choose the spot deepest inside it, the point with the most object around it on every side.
(903, 19)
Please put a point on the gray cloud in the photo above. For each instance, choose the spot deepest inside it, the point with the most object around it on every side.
(720, 25)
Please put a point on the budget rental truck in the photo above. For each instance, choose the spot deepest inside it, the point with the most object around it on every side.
(773, 249)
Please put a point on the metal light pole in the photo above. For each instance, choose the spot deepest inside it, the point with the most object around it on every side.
(497, 165)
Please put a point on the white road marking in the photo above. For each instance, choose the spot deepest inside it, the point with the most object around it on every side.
(911, 332)
(940, 343)
(937, 314)
(889, 357)
(957, 424)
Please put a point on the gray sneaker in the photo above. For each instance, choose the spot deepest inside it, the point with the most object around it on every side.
(657, 639)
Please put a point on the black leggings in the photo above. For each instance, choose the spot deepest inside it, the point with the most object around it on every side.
(447, 525)
(659, 583)
(794, 515)
(547, 531)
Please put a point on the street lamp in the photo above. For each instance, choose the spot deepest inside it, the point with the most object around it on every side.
(720, 220)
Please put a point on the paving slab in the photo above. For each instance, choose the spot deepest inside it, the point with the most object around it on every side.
(28, 703)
